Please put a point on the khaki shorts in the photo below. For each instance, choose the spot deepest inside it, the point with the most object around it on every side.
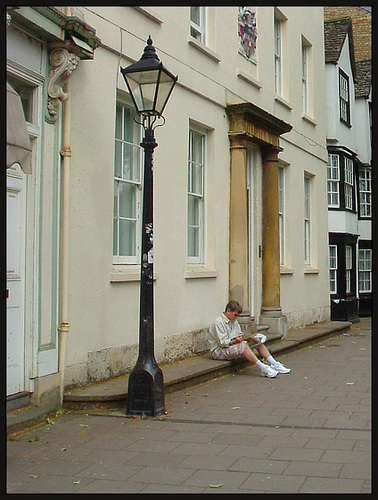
(235, 351)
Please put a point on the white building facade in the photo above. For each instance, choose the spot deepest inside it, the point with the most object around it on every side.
(240, 171)
(349, 173)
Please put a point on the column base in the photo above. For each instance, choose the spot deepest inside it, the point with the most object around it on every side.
(273, 317)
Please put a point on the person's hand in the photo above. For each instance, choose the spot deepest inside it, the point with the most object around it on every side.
(239, 339)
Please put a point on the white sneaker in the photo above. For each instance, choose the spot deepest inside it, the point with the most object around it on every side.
(268, 371)
(280, 368)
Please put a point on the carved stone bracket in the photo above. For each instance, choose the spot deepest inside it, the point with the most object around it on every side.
(62, 65)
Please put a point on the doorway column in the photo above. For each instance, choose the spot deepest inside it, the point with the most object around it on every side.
(271, 312)
(239, 266)
(253, 126)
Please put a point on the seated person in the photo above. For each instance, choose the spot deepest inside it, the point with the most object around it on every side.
(226, 343)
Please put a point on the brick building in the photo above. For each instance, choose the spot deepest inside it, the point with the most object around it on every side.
(361, 21)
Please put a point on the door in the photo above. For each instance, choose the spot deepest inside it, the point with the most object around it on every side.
(16, 215)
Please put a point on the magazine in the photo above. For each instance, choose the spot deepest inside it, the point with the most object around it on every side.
(257, 339)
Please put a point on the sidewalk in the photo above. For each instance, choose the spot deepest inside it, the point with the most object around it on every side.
(200, 368)
(176, 375)
(305, 432)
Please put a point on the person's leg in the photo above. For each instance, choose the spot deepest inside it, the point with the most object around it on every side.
(263, 351)
(266, 371)
(276, 365)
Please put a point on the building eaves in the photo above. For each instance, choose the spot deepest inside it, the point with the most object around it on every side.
(51, 24)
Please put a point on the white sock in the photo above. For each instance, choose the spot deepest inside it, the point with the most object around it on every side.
(271, 360)
(260, 365)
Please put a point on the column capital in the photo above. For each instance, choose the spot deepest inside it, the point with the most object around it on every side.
(237, 141)
(270, 153)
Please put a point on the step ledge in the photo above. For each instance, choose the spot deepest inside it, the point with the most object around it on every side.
(116, 389)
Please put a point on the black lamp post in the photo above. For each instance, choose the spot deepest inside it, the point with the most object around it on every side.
(150, 85)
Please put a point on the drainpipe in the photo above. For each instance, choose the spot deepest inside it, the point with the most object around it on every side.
(64, 248)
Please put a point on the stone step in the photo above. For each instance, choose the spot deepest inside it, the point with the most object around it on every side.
(197, 369)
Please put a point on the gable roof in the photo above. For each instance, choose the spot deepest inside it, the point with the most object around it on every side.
(363, 80)
(335, 33)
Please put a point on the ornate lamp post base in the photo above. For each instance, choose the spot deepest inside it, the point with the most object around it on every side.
(146, 391)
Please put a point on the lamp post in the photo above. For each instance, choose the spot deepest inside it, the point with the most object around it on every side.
(150, 85)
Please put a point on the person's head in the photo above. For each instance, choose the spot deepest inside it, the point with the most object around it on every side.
(232, 310)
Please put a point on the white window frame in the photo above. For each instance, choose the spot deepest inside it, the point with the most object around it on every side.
(278, 56)
(365, 270)
(281, 212)
(121, 179)
(307, 220)
(197, 196)
(344, 97)
(304, 78)
(198, 29)
(333, 268)
(348, 267)
(333, 180)
(365, 191)
(348, 183)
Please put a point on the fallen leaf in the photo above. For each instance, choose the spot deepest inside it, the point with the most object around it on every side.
(236, 408)
(215, 485)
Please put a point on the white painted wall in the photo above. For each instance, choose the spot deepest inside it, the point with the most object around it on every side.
(103, 315)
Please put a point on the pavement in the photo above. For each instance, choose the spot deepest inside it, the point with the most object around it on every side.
(308, 431)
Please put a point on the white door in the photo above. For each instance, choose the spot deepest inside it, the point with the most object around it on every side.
(16, 215)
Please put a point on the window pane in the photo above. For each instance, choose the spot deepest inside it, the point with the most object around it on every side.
(131, 162)
(118, 159)
(197, 153)
(127, 233)
(26, 95)
(193, 242)
(130, 132)
(118, 131)
(196, 178)
(195, 15)
(127, 200)
(193, 211)
(115, 237)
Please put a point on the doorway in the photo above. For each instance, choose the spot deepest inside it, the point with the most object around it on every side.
(16, 216)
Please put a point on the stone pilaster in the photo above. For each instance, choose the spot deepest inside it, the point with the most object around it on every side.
(239, 265)
(271, 312)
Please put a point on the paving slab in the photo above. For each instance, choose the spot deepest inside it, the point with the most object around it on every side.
(234, 433)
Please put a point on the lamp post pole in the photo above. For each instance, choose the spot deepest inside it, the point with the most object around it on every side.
(146, 384)
(150, 84)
